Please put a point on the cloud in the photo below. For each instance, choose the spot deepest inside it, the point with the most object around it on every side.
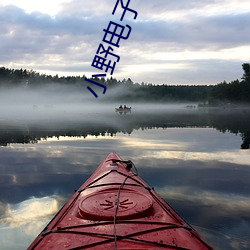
(193, 32)
(93, 8)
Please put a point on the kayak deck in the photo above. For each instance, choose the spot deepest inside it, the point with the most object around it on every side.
(116, 209)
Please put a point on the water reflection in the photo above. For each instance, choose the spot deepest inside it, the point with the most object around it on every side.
(31, 210)
(21, 221)
(195, 167)
(111, 123)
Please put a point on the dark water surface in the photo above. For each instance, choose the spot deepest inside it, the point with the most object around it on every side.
(193, 158)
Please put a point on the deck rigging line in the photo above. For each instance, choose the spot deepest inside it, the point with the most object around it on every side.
(115, 237)
(130, 174)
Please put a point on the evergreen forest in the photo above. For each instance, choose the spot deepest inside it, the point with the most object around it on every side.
(224, 93)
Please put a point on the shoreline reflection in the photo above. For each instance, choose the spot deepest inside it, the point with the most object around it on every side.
(201, 172)
(109, 124)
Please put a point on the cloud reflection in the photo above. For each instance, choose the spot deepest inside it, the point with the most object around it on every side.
(223, 156)
(228, 203)
(22, 222)
(28, 212)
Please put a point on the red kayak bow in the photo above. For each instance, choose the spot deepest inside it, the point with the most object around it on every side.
(116, 209)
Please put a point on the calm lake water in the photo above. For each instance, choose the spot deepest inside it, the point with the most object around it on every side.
(197, 160)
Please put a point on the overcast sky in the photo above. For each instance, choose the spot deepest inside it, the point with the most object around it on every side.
(171, 42)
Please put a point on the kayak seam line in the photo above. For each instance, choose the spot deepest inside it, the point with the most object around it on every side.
(44, 233)
(110, 184)
(166, 208)
(114, 170)
(99, 178)
(62, 230)
(120, 222)
(173, 212)
(128, 237)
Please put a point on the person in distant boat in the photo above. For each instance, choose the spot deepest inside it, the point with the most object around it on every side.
(125, 106)
(120, 107)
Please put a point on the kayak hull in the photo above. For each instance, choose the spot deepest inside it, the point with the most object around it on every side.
(116, 209)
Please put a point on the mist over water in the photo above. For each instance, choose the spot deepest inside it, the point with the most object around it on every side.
(48, 102)
(58, 109)
(60, 102)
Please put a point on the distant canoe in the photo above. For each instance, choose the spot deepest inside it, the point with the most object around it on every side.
(123, 109)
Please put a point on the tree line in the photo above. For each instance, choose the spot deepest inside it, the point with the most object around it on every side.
(236, 91)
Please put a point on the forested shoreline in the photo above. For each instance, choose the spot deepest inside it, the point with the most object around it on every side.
(234, 92)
